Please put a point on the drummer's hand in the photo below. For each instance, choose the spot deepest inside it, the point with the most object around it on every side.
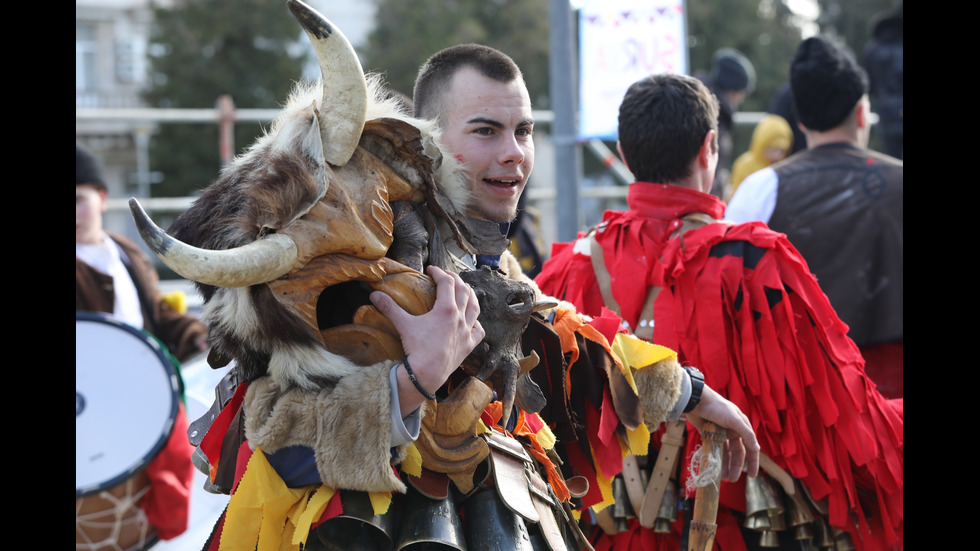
(436, 342)
(741, 446)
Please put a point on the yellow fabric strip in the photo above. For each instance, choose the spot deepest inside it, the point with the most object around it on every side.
(413, 461)
(638, 354)
(266, 515)
(380, 501)
(639, 440)
(546, 438)
(314, 510)
(605, 488)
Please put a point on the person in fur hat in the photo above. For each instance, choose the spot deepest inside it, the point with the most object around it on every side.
(841, 204)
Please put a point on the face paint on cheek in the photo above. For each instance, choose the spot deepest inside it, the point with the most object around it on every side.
(459, 157)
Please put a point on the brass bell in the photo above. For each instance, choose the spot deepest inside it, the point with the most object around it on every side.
(777, 520)
(761, 495)
(763, 504)
(822, 536)
(668, 505)
(358, 528)
(799, 508)
(758, 521)
(428, 523)
(622, 509)
(769, 538)
(803, 532)
(843, 541)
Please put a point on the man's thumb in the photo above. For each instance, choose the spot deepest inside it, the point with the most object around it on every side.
(386, 305)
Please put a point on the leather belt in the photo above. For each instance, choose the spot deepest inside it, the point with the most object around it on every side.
(666, 465)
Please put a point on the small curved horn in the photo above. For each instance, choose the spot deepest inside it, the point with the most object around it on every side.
(344, 100)
(258, 262)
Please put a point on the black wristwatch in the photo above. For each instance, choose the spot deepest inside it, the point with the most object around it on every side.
(697, 387)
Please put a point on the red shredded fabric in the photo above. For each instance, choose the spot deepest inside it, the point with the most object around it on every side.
(171, 473)
(741, 304)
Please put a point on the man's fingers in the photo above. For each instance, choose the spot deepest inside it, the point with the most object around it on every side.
(737, 458)
(445, 284)
(387, 306)
(750, 445)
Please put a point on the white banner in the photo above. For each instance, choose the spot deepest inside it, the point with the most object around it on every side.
(620, 42)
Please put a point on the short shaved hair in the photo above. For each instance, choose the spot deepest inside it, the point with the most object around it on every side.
(436, 75)
(662, 123)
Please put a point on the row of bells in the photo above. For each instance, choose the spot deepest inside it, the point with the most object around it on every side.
(419, 523)
(769, 510)
(622, 508)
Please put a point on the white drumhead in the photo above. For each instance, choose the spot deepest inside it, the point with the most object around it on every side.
(125, 401)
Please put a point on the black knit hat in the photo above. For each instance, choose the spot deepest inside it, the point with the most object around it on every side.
(827, 83)
(87, 170)
(732, 71)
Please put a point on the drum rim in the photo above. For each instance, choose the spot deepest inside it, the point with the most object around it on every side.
(173, 377)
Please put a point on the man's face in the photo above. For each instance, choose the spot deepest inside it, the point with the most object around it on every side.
(488, 127)
(90, 203)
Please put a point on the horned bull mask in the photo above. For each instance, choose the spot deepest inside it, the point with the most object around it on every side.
(287, 243)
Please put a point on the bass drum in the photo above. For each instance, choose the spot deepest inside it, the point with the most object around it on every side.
(126, 403)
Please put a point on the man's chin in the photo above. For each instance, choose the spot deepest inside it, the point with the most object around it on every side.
(494, 216)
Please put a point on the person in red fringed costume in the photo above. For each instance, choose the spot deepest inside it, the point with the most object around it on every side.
(739, 302)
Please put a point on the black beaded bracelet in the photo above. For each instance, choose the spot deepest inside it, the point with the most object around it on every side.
(411, 376)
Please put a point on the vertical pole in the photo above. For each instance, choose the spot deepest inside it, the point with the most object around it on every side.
(563, 72)
(141, 137)
(226, 129)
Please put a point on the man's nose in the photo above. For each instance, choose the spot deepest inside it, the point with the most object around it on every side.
(511, 152)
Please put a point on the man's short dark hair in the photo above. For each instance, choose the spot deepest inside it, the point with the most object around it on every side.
(827, 83)
(435, 76)
(662, 123)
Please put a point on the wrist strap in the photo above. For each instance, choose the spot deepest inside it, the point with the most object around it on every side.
(411, 376)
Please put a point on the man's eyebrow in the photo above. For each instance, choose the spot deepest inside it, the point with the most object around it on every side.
(497, 124)
(483, 120)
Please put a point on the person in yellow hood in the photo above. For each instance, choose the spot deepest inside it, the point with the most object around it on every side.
(772, 141)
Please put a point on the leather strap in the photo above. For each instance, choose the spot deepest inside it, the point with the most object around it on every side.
(601, 273)
(673, 438)
(633, 482)
(691, 221)
(545, 505)
(666, 465)
(510, 460)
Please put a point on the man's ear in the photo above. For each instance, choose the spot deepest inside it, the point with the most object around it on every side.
(619, 147)
(708, 148)
(861, 113)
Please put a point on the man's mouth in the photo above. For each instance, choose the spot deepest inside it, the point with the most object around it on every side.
(501, 182)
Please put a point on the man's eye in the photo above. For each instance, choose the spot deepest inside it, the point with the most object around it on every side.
(485, 131)
(525, 131)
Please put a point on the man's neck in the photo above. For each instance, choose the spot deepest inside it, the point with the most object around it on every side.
(834, 135)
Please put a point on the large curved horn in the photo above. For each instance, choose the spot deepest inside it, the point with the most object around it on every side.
(344, 100)
(258, 262)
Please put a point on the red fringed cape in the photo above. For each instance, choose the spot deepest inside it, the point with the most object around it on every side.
(740, 303)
